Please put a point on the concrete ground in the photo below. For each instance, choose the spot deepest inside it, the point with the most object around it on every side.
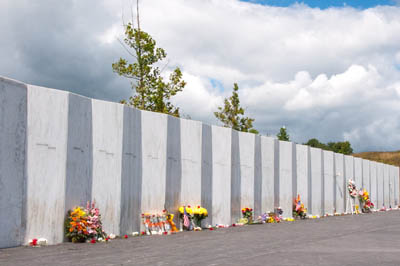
(368, 239)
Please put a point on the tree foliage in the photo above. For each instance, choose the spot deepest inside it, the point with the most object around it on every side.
(343, 147)
(232, 114)
(151, 91)
(283, 135)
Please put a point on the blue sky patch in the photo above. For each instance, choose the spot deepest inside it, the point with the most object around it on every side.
(323, 4)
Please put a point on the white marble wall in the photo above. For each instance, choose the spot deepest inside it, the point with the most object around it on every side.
(221, 175)
(78, 183)
(386, 186)
(131, 171)
(46, 163)
(380, 181)
(13, 115)
(391, 186)
(358, 172)
(284, 184)
(191, 146)
(269, 172)
(107, 162)
(349, 174)
(207, 171)
(340, 184)
(374, 184)
(328, 180)
(173, 176)
(317, 189)
(154, 161)
(247, 153)
(303, 173)
(366, 175)
(396, 186)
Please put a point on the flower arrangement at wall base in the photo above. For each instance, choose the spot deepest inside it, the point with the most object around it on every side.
(38, 242)
(247, 215)
(158, 224)
(186, 216)
(199, 214)
(298, 208)
(94, 224)
(365, 201)
(76, 226)
(84, 224)
(274, 217)
(351, 187)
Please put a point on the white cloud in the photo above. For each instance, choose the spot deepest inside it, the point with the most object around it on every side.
(332, 74)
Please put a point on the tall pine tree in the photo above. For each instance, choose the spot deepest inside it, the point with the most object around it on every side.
(232, 114)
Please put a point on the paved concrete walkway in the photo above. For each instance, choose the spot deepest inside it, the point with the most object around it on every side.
(369, 239)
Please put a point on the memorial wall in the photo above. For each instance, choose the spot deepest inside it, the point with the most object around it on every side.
(59, 150)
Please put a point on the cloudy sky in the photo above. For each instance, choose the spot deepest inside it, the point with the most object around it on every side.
(324, 69)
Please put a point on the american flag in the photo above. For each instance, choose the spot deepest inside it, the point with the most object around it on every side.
(298, 203)
(186, 221)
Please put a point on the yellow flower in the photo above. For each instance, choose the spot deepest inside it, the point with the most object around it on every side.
(203, 211)
(196, 210)
(188, 210)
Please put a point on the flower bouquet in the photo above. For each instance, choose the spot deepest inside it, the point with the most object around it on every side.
(248, 215)
(186, 216)
(76, 225)
(352, 188)
(298, 208)
(146, 217)
(273, 218)
(367, 205)
(94, 224)
(199, 214)
(83, 224)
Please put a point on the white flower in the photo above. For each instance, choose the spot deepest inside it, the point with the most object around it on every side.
(112, 236)
(42, 241)
(135, 233)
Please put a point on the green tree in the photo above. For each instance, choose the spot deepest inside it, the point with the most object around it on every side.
(316, 144)
(283, 135)
(232, 115)
(338, 147)
(151, 92)
(341, 147)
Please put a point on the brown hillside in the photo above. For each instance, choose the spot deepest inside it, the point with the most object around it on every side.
(392, 157)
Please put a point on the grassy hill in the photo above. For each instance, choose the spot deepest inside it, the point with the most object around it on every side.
(392, 157)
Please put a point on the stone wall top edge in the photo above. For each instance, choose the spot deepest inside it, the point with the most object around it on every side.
(13, 82)
(54, 91)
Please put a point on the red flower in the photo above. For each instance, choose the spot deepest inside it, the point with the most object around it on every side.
(165, 233)
(164, 211)
(125, 236)
(143, 233)
(198, 206)
(34, 242)
(233, 225)
(251, 210)
(93, 241)
(188, 206)
(211, 229)
(107, 238)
